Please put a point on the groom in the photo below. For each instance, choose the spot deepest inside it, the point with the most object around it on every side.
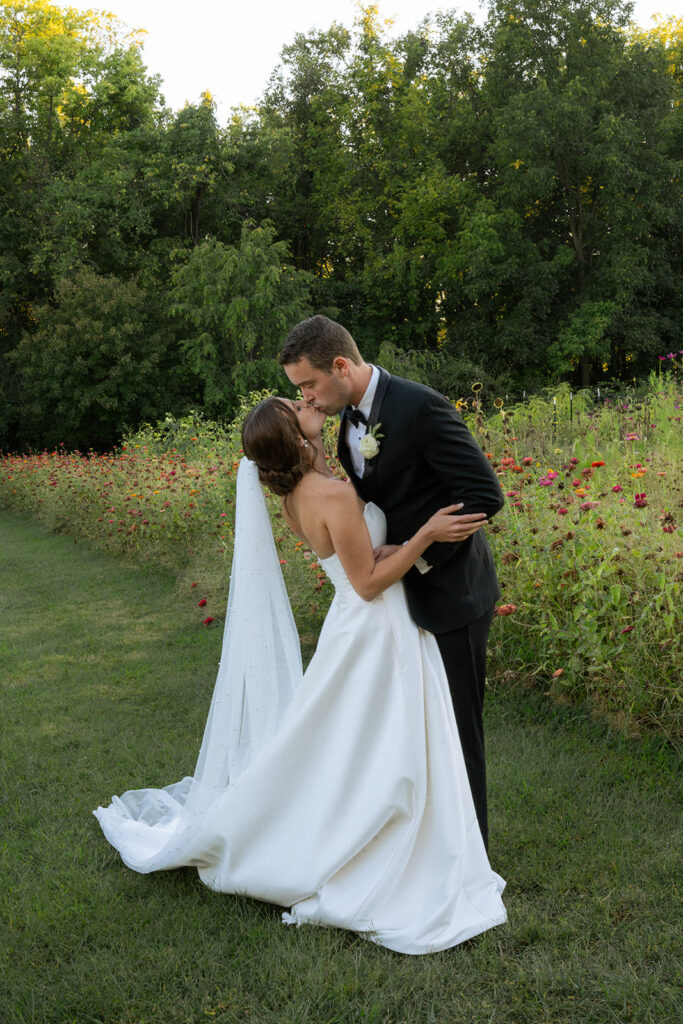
(417, 457)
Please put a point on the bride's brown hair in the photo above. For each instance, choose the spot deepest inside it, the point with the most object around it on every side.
(272, 438)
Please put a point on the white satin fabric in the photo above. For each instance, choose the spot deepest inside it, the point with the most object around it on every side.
(356, 810)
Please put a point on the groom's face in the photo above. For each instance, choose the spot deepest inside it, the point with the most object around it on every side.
(325, 390)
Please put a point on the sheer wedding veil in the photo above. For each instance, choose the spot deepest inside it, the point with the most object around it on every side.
(261, 660)
(259, 670)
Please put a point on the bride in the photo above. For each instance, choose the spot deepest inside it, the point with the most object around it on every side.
(339, 793)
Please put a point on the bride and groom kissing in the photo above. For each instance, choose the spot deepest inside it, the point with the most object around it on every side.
(354, 793)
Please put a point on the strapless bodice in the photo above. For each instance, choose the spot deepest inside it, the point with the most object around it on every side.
(376, 523)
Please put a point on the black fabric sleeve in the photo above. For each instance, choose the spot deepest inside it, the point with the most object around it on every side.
(451, 451)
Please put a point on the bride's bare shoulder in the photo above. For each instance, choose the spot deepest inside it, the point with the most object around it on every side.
(327, 490)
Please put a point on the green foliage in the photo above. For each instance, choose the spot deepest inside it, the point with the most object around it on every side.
(238, 302)
(502, 198)
(585, 336)
(84, 370)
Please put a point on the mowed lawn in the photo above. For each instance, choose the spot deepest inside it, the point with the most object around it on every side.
(106, 672)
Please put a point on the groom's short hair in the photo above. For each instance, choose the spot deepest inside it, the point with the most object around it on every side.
(320, 340)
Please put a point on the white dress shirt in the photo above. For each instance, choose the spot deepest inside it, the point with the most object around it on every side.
(355, 433)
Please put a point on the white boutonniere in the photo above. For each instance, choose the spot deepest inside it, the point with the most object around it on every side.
(369, 444)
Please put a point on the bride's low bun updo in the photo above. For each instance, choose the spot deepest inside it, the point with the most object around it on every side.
(271, 438)
(279, 481)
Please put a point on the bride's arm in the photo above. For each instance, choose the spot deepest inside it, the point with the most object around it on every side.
(349, 535)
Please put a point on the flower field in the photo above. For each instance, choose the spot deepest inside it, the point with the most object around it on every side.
(589, 548)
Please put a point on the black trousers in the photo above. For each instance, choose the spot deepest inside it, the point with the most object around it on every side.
(464, 656)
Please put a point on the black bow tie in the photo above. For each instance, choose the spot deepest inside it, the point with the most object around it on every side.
(355, 416)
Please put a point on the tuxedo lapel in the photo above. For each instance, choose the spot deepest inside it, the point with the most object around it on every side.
(380, 392)
(382, 384)
(343, 453)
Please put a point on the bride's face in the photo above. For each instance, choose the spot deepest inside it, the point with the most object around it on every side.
(310, 419)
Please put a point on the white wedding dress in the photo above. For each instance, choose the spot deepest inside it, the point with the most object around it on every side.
(353, 808)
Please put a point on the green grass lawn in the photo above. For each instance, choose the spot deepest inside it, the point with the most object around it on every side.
(105, 679)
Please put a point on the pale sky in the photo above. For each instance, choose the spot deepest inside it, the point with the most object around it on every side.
(230, 48)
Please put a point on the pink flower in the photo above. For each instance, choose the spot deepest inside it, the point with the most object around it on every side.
(527, 461)
(617, 488)
(668, 528)
(562, 511)
(506, 609)
(640, 500)
(511, 494)
(586, 506)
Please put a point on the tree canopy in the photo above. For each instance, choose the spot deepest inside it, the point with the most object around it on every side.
(499, 199)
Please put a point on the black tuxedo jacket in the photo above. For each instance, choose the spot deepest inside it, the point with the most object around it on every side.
(428, 459)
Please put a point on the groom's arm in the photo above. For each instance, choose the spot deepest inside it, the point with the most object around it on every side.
(457, 460)
(455, 457)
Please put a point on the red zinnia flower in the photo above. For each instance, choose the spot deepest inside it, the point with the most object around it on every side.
(506, 609)
(202, 602)
(594, 464)
(208, 621)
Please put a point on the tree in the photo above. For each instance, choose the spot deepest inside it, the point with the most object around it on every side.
(71, 85)
(577, 111)
(234, 306)
(92, 365)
